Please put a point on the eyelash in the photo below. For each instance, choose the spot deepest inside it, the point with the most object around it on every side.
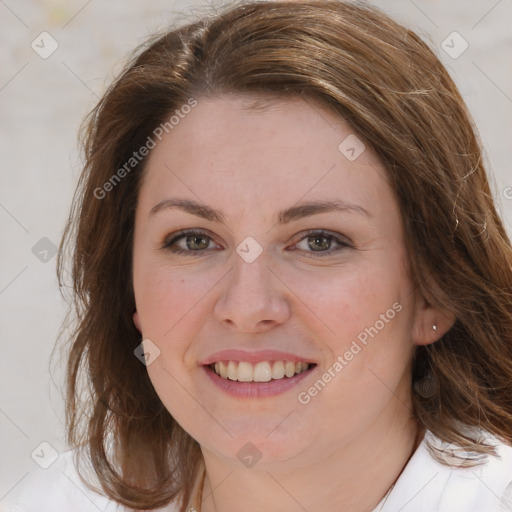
(168, 244)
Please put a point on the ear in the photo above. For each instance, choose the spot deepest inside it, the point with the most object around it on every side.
(430, 323)
(136, 321)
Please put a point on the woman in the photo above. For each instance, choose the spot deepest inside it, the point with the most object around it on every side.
(293, 289)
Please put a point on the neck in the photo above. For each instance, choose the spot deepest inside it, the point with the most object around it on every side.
(354, 478)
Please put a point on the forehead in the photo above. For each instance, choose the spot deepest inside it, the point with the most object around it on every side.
(247, 148)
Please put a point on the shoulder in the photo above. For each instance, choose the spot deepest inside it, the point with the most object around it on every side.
(426, 484)
(59, 489)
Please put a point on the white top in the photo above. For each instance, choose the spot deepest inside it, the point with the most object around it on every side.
(424, 486)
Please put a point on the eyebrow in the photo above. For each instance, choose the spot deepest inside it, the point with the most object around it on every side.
(285, 216)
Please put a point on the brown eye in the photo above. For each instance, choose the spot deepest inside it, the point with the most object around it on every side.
(194, 242)
(188, 242)
(322, 243)
(319, 242)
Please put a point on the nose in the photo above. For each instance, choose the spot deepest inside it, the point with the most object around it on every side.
(253, 299)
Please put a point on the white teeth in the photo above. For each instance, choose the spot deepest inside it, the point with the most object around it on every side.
(245, 372)
(223, 370)
(263, 371)
(289, 369)
(232, 370)
(278, 370)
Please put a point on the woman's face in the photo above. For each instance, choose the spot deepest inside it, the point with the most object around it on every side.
(294, 253)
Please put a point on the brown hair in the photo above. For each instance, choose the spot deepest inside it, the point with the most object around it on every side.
(383, 80)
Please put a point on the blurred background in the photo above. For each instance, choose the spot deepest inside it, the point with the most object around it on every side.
(57, 58)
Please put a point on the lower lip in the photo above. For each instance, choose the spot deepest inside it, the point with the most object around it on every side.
(256, 389)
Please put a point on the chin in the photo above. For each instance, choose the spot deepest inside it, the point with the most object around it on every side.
(263, 440)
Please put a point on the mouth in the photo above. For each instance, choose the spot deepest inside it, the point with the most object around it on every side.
(262, 379)
(263, 371)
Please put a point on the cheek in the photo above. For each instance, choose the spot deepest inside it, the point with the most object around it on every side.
(344, 302)
(366, 320)
(377, 319)
(167, 298)
(365, 316)
(171, 305)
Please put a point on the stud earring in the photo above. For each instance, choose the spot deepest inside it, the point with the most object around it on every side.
(434, 327)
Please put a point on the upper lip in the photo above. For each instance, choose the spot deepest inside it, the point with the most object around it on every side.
(254, 356)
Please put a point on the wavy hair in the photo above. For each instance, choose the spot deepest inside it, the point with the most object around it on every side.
(391, 88)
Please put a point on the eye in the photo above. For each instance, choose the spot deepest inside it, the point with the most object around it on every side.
(322, 243)
(316, 243)
(188, 242)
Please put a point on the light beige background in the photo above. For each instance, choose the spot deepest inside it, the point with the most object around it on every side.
(44, 100)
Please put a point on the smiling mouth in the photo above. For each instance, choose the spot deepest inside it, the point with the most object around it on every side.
(264, 371)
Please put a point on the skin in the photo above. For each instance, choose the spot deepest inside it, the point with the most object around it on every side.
(344, 449)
